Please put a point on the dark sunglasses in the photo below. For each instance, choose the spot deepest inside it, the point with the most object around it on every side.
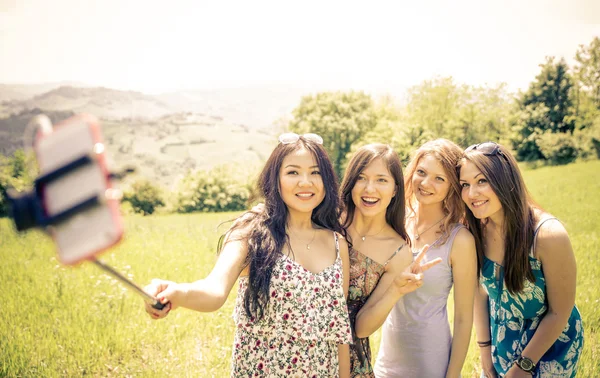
(487, 148)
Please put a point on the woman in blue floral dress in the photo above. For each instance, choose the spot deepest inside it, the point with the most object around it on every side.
(526, 320)
(290, 314)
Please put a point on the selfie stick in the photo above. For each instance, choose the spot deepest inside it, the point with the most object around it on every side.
(27, 210)
(147, 297)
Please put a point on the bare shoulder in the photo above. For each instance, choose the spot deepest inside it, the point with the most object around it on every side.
(552, 241)
(464, 242)
(241, 229)
(402, 258)
(463, 248)
(245, 222)
(237, 233)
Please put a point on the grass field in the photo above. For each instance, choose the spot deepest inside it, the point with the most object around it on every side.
(60, 321)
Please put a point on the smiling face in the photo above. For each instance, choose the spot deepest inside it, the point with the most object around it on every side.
(430, 182)
(477, 193)
(300, 182)
(374, 189)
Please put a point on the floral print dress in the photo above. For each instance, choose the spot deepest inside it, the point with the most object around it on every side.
(305, 320)
(365, 274)
(514, 319)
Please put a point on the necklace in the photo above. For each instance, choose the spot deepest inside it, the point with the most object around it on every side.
(311, 240)
(364, 237)
(418, 234)
(494, 233)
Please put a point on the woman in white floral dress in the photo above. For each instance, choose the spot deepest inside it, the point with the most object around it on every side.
(525, 315)
(290, 314)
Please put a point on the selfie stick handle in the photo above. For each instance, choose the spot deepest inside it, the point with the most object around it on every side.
(147, 297)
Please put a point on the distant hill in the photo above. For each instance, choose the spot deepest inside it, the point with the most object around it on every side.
(164, 136)
(255, 107)
(26, 91)
(105, 103)
(168, 148)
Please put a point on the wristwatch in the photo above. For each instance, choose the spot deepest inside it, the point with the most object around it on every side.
(526, 364)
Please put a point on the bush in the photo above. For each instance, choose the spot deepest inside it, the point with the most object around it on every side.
(14, 173)
(596, 144)
(221, 189)
(528, 125)
(144, 197)
(589, 139)
(557, 148)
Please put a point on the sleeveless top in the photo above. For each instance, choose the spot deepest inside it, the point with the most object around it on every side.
(304, 321)
(365, 274)
(416, 337)
(514, 319)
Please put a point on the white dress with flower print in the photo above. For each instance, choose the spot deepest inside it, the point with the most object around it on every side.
(305, 320)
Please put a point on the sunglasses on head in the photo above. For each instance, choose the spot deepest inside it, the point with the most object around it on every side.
(288, 138)
(487, 148)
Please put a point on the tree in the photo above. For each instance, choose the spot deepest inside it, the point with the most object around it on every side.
(587, 98)
(144, 197)
(547, 106)
(341, 118)
(431, 110)
(484, 114)
(529, 124)
(439, 108)
(587, 70)
(552, 88)
(391, 128)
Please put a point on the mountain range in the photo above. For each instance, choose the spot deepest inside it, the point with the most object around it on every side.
(164, 136)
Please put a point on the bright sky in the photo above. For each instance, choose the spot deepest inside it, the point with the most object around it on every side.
(156, 46)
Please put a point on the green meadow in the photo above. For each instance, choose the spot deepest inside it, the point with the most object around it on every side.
(58, 321)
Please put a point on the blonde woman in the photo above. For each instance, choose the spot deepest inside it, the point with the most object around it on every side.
(416, 338)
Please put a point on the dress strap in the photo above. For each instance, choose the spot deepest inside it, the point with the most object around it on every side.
(337, 244)
(537, 229)
(393, 254)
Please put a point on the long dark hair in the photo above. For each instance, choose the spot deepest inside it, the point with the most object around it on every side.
(503, 174)
(447, 154)
(265, 231)
(395, 212)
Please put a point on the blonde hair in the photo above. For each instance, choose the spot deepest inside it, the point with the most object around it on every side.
(448, 154)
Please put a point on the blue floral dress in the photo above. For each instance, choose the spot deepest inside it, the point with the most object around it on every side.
(514, 319)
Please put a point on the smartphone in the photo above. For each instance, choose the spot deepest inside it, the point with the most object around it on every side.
(88, 233)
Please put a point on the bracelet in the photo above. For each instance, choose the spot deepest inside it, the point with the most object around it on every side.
(483, 344)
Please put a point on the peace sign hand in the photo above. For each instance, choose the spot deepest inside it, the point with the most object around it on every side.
(412, 277)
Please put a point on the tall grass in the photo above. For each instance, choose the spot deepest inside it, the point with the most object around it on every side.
(58, 321)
